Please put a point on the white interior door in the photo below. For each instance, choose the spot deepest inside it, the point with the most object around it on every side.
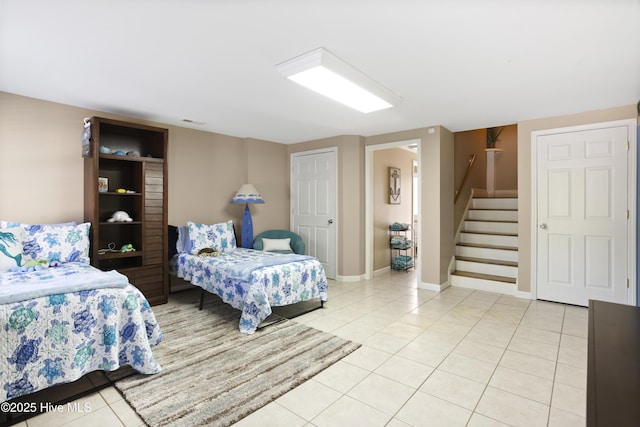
(582, 226)
(313, 205)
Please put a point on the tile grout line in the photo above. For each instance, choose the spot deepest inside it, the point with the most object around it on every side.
(498, 364)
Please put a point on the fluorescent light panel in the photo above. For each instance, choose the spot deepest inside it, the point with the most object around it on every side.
(325, 73)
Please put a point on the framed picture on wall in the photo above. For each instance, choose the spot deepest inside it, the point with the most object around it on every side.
(394, 186)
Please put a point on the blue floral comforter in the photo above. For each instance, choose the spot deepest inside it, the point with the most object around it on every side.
(60, 337)
(271, 283)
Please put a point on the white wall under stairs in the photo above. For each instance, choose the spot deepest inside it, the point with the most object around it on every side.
(486, 256)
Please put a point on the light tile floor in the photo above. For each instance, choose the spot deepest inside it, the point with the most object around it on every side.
(456, 358)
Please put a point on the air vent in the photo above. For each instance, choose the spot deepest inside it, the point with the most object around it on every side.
(193, 122)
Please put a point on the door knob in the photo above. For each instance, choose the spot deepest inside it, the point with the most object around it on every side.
(543, 226)
(330, 221)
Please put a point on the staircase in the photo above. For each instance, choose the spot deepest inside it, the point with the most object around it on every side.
(487, 248)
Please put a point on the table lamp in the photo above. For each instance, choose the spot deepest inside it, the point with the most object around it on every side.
(247, 194)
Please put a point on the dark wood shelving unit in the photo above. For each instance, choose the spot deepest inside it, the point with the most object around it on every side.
(143, 173)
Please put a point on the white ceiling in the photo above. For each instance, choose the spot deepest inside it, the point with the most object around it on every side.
(460, 64)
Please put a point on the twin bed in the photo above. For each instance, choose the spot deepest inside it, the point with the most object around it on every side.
(65, 319)
(249, 280)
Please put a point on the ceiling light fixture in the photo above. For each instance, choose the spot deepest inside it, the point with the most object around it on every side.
(325, 73)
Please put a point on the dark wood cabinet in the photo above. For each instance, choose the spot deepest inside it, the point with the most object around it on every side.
(126, 170)
(613, 368)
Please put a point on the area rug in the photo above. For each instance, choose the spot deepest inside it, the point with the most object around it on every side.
(214, 375)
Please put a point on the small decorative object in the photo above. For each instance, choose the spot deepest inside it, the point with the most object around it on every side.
(119, 153)
(32, 265)
(492, 136)
(133, 153)
(105, 150)
(121, 190)
(103, 184)
(127, 248)
(204, 252)
(85, 137)
(394, 186)
(120, 216)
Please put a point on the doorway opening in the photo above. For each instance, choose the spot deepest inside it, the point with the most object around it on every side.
(413, 171)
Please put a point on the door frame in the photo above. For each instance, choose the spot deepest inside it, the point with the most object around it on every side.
(368, 173)
(336, 221)
(631, 125)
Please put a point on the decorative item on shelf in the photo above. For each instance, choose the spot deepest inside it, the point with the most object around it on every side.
(120, 216)
(111, 247)
(394, 186)
(398, 226)
(247, 194)
(133, 153)
(127, 248)
(119, 153)
(493, 134)
(121, 190)
(85, 137)
(103, 184)
(105, 150)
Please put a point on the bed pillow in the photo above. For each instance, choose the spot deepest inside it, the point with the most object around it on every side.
(62, 243)
(217, 236)
(276, 245)
(10, 248)
(183, 244)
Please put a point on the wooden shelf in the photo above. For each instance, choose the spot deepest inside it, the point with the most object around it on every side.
(115, 255)
(130, 158)
(146, 204)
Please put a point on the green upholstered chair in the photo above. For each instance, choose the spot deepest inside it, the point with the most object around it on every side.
(276, 242)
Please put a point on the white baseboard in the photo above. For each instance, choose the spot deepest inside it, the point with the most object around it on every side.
(433, 286)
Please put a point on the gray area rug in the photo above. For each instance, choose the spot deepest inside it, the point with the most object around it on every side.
(214, 375)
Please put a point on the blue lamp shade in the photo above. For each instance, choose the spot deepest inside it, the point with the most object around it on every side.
(247, 194)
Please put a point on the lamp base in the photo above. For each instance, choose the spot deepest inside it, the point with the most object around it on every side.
(247, 228)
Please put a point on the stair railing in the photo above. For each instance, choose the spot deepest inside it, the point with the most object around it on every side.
(464, 178)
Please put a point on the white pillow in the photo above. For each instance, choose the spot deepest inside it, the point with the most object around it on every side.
(276, 244)
(10, 248)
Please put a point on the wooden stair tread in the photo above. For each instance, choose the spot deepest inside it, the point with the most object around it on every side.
(490, 233)
(506, 221)
(477, 245)
(494, 209)
(484, 276)
(487, 261)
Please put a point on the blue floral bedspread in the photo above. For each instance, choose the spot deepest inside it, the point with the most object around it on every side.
(59, 338)
(271, 283)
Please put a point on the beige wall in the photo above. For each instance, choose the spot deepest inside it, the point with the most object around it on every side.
(472, 142)
(41, 168)
(467, 144)
(524, 173)
(506, 166)
(384, 212)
